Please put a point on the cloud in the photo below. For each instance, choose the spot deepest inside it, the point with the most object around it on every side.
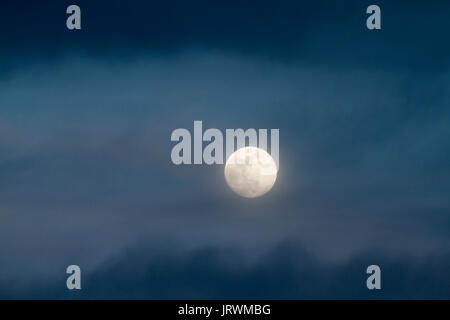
(313, 32)
(361, 154)
(85, 172)
(287, 272)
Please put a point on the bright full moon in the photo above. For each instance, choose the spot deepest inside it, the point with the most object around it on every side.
(250, 172)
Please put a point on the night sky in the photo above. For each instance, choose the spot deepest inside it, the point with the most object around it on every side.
(86, 176)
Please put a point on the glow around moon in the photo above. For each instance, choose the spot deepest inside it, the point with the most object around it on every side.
(250, 172)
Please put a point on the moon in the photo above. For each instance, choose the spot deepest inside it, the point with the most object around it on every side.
(250, 172)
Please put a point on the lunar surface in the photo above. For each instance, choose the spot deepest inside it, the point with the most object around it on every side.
(250, 172)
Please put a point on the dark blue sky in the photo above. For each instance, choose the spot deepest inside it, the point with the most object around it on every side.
(85, 170)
